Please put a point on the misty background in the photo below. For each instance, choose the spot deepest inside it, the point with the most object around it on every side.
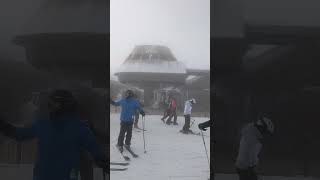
(182, 25)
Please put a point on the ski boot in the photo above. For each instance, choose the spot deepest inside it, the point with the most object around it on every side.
(189, 131)
(126, 146)
(120, 148)
(175, 123)
(183, 131)
(168, 122)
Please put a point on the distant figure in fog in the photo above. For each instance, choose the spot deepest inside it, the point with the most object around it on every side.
(171, 111)
(250, 147)
(187, 115)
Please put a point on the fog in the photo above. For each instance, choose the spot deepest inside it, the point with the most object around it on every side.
(182, 25)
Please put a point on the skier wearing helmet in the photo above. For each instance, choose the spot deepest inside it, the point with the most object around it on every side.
(129, 105)
(187, 115)
(250, 146)
(61, 138)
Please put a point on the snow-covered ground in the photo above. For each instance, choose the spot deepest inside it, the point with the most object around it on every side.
(170, 155)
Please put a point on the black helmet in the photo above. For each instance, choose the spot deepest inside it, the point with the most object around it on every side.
(129, 93)
(62, 100)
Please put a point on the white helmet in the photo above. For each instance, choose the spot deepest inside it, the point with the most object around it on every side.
(264, 121)
(193, 101)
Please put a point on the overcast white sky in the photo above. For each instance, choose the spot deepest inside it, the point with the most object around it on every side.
(182, 25)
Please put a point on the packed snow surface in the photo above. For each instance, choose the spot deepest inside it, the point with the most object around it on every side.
(170, 154)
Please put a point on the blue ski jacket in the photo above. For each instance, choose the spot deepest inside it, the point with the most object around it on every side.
(59, 145)
(128, 108)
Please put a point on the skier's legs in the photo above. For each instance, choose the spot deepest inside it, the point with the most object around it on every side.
(175, 116)
(121, 134)
(187, 123)
(170, 117)
(129, 134)
(86, 166)
(252, 174)
(243, 174)
(166, 114)
(247, 174)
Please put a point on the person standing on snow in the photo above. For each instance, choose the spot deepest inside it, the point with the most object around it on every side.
(187, 115)
(173, 111)
(128, 108)
(61, 138)
(250, 146)
(167, 112)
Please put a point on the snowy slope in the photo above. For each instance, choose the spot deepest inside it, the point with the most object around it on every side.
(170, 154)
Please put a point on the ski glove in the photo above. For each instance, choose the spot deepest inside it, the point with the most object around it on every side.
(142, 113)
(205, 125)
(112, 102)
(202, 127)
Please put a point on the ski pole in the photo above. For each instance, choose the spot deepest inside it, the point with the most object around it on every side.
(205, 147)
(143, 127)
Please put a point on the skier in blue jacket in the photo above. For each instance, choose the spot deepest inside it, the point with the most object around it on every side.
(129, 105)
(61, 137)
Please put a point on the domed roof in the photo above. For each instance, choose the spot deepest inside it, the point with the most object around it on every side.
(151, 53)
(152, 59)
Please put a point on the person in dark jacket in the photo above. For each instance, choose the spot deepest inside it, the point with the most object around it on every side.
(61, 139)
(203, 126)
(129, 106)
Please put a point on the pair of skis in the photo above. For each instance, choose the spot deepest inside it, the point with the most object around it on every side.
(125, 157)
(119, 164)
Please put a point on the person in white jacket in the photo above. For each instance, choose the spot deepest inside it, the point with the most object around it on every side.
(250, 146)
(187, 115)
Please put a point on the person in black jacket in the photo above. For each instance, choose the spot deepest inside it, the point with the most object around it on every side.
(203, 126)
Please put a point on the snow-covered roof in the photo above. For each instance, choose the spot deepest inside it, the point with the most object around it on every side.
(173, 67)
(152, 59)
(170, 88)
(192, 79)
